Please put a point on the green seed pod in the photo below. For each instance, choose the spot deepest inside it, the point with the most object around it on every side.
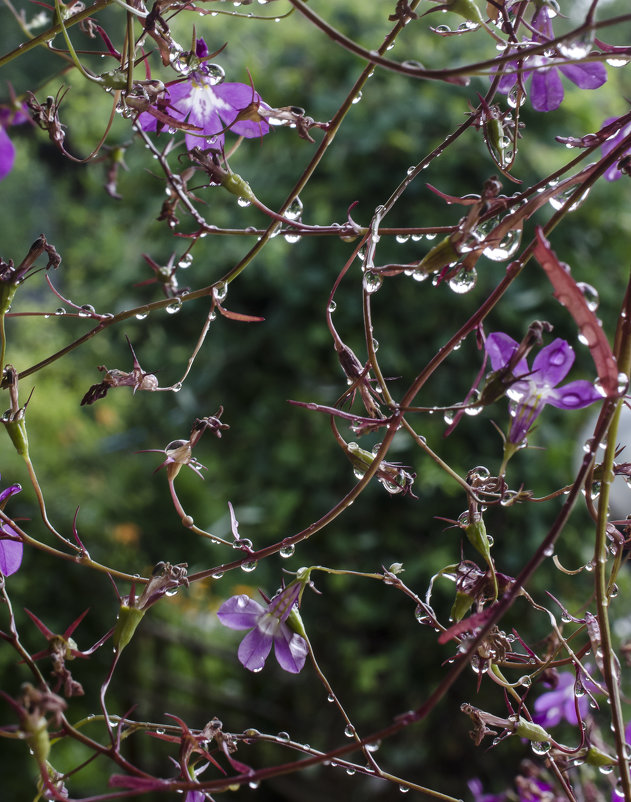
(238, 186)
(461, 606)
(128, 620)
(7, 291)
(532, 731)
(16, 429)
(476, 535)
(466, 9)
(36, 736)
(442, 254)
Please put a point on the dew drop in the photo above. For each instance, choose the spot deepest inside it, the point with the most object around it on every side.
(283, 736)
(349, 731)
(60, 311)
(86, 310)
(590, 294)
(540, 747)
(249, 566)
(174, 307)
(463, 282)
(142, 315)
(287, 551)
(292, 238)
(294, 212)
(332, 307)
(372, 282)
(357, 98)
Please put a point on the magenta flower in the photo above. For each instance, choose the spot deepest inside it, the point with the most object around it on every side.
(546, 88)
(11, 546)
(267, 625)
(212, 106)
(533, 389)
(613, 172)
(560, 704)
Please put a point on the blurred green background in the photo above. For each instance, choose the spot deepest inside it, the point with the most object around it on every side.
(278, 464)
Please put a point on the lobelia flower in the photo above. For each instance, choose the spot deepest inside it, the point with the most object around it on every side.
(267, 625)
(546, 88)
(613, 173)
(211, 106)
(560, 704)
(11, 547)
(533, 389)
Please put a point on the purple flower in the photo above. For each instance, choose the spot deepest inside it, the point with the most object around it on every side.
(533, 389)
(11, 547)
(267, 625)
(546, 89)
(560, 704)
(211, 106)
(613, 173)
(8, 117)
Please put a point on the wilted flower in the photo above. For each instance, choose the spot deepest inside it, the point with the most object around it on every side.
(533, 389)
(211, 106)
(613, 173)
(267, 625)
(546, 88)
(11, 546)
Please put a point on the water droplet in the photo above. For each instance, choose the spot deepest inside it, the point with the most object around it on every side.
(283, 736)
(617, 62)
(86, 310)
(287, 551)
(350, 771)
(463, 282)
(372, 282)
(330, 698)
(60, 311)
(349, 731)
(254, 784)
(590, 294)
(220, 291)
(216, 574)
(332, 307)
(403, 788)
(174, 307)
(402, 238)
(186, 261)
(142, 315)
(559, 200)
(524, 681)
(249, 566)
(506, 248)
(292, 238)
(214, 74)
(294, 211)
(540, 747)
(357, 98)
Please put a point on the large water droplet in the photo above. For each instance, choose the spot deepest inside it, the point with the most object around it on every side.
(294, 211)
(463, 282)
(372, 282)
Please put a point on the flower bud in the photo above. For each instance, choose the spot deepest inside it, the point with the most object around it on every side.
(238, 186)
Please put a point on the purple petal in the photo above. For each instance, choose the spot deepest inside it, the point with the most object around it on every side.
(195, 796)
(500, 348)
(280, 606)
(542, 23)
(7, 154)
(553, 363)
(8, 492)
(585, 76)
(290, 649)
(546, 89)
(253, 649)
(509, 78)
(10, 553)
(238, 97)
(240, 612)
(201, 48)
(523, 421)
(574, 395)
